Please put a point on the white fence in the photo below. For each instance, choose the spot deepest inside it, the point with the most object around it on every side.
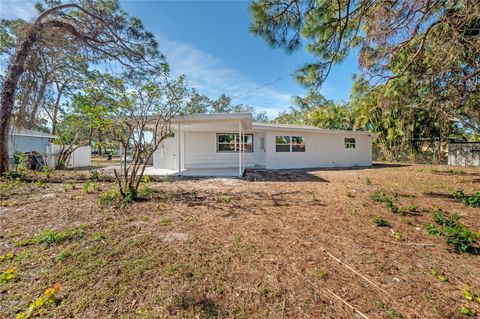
(464, 154)
(81, 157)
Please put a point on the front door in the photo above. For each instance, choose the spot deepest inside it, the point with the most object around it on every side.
(168, 150)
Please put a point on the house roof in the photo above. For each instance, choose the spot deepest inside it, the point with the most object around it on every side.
(204, 119)
(31, 133)
(304, 128)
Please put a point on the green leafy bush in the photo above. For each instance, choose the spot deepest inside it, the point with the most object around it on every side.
(457, 234)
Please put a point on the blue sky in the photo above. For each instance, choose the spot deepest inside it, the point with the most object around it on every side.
(209, 42)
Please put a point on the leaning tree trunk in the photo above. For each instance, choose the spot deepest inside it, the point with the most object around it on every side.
(15, 70)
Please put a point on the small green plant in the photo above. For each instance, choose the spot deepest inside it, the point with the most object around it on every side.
(39, 183)
(368, 181)
(412, 208)
(94, 175)
(457, 234)
(48, 171)
(9, 275)
(110, 197)
(86, 186)
(349, 194)
(379, 197)
(471, 294)
(223, 199)
(98, 236)
(467, 311)
(165, 221)
(317, 273)
(469, 200)
(64, 255)
(147, 179)
(167, 179)
(7, 256)
(40, 305)
(440, 276)
(397, 235)
(380, 222)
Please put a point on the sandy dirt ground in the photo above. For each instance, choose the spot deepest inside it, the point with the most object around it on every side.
(284, 244)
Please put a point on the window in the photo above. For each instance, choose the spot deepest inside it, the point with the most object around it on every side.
(282, 143)
(290, 143)
(230, 142)
(349, 143)
(298, 144)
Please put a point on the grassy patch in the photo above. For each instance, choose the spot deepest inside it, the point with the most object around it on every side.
(51, 237)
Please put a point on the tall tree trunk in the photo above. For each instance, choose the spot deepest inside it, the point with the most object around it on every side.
(15, 70)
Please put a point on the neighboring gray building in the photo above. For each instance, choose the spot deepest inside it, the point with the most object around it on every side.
(464, 154)
(23, 140)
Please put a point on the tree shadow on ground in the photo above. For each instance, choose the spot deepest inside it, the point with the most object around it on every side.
(284, 175)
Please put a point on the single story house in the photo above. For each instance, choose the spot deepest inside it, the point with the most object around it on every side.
(226, 144)
(23, 140)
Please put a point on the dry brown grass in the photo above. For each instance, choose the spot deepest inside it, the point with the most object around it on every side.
(264, 247)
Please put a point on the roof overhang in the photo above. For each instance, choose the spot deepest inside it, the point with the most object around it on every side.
(302, 128)
(244, 118)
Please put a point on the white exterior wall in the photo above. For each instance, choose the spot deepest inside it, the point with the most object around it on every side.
(321, 150)
(81, 157)
(200, 151)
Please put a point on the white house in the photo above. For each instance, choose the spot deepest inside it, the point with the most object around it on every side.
(209, 145)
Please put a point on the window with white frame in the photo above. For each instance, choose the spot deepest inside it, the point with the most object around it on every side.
(298, 143)
(349, 143)
(290, 143)
(230, 143)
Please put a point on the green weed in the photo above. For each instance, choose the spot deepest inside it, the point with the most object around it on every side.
(380, 222)
(440, 276)
(7, 256)
(469, 200)
(368, 181)
(40, 305)
(8, 276)
(51, 237)
(457, 234)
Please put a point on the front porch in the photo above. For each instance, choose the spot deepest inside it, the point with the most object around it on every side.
(209, 145)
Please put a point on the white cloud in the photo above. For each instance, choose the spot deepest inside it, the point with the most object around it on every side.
(212, 77)
(11, 9)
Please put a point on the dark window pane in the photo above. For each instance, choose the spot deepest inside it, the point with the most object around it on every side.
(226, 138)
(298, 140)
(282, 139)
(298, 148)
(226, 147)
(349, 143)
(283, 148)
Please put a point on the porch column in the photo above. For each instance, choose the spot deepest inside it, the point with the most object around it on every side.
(179, 155)
(239, 149)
